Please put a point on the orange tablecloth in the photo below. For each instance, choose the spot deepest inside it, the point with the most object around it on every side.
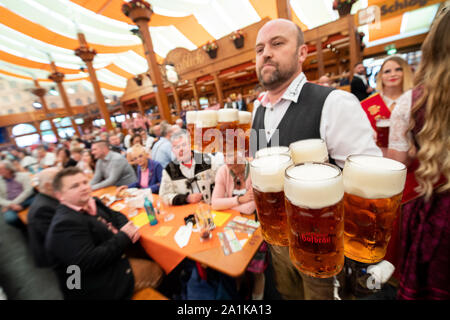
(163, 249)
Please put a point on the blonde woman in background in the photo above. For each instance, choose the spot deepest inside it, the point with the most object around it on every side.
(425, 222)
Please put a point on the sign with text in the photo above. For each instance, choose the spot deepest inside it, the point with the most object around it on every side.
(391, 8)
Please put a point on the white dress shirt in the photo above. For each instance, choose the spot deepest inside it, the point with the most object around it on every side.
(344, 125)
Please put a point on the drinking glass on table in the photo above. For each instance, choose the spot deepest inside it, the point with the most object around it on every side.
(134, 204)
(163, 211)
(203, 220)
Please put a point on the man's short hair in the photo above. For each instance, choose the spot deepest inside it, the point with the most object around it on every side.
(164, 129)
(8, 165)
(300, 37)
(180, 133)
(76, 150)
(103, 142)
(67, 172)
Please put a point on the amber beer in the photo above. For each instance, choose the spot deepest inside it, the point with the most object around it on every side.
(267, 174)
(205, 130)
(272, 151)
(227, 123)
(245, 124)
(191, 117)
(373, 192)
(382, 126)
(309, 150)
(315, 215)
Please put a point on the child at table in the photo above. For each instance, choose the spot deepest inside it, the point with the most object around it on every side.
(233, 190)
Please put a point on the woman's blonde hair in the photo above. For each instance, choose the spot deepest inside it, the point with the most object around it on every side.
(408, 77)
(433, 75)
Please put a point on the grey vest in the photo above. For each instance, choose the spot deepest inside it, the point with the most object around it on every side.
(301, 120)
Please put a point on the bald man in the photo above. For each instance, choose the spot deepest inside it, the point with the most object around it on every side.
(293, 109)
(324, 81)
(40, 215)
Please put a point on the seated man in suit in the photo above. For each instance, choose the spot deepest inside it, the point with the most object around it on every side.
(360, 86)
(86, 234)
(40, 215)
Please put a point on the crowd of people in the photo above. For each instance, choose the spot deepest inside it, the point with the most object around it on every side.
(68, 226)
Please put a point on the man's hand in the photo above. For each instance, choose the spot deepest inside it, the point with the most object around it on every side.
(369, 90)
(15, 207)
(131, 231)
(194, 198)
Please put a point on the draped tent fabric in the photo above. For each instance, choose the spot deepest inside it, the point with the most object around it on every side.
(34, 32)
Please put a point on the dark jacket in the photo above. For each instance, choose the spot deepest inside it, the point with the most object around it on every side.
(40, 215)
(70, 163)
(359, 89)
(241, 105)
(77, 238)
(154, 176)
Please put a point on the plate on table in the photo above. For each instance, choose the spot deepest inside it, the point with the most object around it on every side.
(108, 199)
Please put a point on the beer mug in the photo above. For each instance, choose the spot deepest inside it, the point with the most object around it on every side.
(309, 150)
(191, 117)
(227, 123)
(272, 151)
(205, 130)
(315, 216)
(382, 126)
(267, 174)
(373, 192)
(245, 124)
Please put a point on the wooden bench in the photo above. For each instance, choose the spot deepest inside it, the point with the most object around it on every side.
(148, 294)
(23, 216)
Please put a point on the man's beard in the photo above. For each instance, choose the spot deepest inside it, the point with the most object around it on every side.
(277, 77)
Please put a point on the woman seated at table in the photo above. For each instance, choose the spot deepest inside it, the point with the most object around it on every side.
(149, 172)
(233, 190)
(233, 187)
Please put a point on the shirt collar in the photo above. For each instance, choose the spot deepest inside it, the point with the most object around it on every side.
(90, 208)
(292, 92)
(108, 156)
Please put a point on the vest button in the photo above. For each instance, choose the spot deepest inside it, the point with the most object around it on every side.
(128, 271)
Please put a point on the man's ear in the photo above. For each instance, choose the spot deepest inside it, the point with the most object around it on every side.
(59, 195)
(302, 53)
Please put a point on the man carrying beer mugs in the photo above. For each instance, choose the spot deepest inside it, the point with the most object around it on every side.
(294, 109)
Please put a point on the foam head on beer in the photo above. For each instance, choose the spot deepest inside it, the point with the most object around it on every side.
(309, 150)
(245, 117)
(373, 177)
(191, 116)
(313, 185)
(267, 172)
(272, 151)
(227, 115)
(206, 119)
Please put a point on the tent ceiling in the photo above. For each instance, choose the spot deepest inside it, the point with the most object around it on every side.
(34, 31)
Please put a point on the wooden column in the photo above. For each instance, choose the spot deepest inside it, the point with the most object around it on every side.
(87, 55)
(355, 54)
(40, 92)
(38, 129)
(140, 106)
(218, 88)
(58, 77)
(320, 62)
(283, 9)
(141, 17)
(177, 99)
(195, 90)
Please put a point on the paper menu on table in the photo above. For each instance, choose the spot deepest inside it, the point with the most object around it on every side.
(140, 220)
(163, 231)
(220, 217)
